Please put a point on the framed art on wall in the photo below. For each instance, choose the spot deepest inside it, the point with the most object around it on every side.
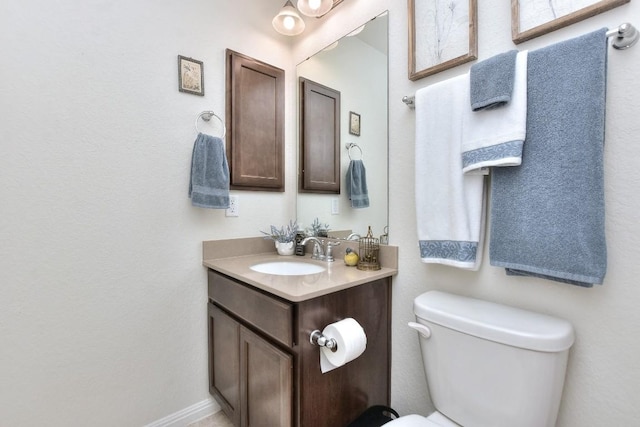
(190, 76)
(354, 123)
(442, 35)
(533, 18)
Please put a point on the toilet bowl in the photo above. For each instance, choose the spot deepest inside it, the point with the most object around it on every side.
(434, 420)
(487, 364)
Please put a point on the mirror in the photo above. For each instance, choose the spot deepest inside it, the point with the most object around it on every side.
(357, 67)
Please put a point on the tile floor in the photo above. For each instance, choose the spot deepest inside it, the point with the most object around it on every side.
(218, 419)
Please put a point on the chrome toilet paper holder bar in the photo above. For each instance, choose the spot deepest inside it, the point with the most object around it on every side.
(317, 338)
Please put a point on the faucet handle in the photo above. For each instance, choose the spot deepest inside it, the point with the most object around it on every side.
(329, 251)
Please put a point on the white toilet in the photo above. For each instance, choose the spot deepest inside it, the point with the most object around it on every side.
(489, 365)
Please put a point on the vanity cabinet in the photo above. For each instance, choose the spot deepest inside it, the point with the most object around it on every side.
(264, 371)
(249, 372)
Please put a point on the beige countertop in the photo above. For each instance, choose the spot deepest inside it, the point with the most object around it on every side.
(336, 276)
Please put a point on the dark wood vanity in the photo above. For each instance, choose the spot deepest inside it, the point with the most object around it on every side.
(264, 371)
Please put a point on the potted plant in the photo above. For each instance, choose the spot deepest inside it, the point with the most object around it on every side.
(284, 237)
(318, 229)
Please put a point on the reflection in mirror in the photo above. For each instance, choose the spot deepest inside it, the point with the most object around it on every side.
(356, 66)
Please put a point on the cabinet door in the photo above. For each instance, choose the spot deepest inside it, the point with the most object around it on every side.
(266, 383)
(255, 123)
(224, 362)
(319, 138)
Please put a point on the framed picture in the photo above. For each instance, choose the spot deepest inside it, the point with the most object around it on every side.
(354, 123)
(442, 34)
(533, 18)
(190, 76)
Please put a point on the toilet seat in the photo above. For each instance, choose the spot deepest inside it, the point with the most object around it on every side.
(434, 420)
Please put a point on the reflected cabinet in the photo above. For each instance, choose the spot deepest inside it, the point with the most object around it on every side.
(319, 138)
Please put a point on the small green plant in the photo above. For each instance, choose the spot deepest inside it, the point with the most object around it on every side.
(283, 234)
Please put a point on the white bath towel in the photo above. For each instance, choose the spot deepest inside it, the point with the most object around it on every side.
(450, 205)
(494, 137)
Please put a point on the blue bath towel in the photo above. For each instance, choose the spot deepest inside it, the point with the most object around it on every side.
(209, 183)
(547, 215)
(357, 184)
(491, 81)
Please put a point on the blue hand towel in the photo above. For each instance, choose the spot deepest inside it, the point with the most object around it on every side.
(209, 183)
(357, 184)
(547, 215)
(494, 137)
(491, 81)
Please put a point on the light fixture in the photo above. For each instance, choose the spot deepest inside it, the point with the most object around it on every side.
(331, 46)
(314, 8)
(356, 31)
(287, 21)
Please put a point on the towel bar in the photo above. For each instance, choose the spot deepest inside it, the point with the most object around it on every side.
(410, 101)
(206, 116)
(626, 36)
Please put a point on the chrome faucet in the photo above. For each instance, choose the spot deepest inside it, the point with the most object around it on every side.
(353, 236)
(318, 249)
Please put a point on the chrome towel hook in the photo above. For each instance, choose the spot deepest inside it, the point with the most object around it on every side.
(206, 116)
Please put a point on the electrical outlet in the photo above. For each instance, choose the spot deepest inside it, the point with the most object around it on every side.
(234, 206)
(335, 206)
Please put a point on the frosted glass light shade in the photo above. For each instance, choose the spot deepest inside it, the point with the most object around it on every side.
(314, 8)
(356, 31)
(287, 21)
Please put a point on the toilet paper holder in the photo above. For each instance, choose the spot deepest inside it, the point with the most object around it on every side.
(317, 338)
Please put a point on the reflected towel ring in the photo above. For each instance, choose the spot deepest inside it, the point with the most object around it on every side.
(354, 145)
(206, 116)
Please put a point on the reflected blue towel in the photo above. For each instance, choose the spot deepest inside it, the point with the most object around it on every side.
(209, 182)
(491, 81)
(547, 215)
(357, 184)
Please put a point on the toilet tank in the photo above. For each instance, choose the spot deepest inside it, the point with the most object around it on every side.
(491, 365)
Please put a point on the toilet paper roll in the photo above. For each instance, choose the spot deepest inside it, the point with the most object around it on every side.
(351, 340)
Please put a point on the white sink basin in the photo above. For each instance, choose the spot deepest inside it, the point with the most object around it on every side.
(287, 268)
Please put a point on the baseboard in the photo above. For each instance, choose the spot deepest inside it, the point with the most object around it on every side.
(188, 415)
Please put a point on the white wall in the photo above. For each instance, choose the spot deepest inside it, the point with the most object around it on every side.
(102, 292)
(603, 380)
(102, 319)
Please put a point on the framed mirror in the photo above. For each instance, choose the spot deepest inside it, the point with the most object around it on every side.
(357, 67)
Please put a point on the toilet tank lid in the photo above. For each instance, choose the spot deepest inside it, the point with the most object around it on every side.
(496, 322)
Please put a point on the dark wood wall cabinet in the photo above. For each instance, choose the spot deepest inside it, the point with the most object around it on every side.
(264, 371)
(255, 123)
(319, 138)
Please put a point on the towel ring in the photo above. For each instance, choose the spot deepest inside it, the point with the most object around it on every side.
(206, 116)
(354, 145)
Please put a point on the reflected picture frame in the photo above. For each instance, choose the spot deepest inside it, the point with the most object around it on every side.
(354, 123)
(534, 18)
(442, 35)
(190, 76)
